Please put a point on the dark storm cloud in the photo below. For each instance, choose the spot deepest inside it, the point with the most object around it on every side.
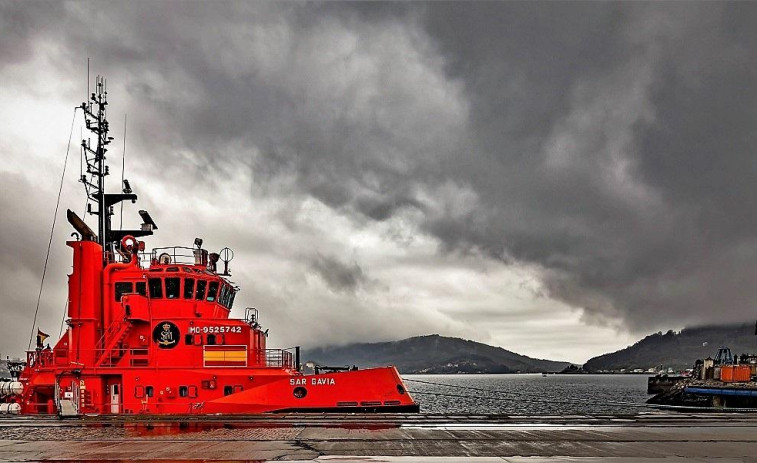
(615, 151)
(338, 275)
(18, 26)
(609, 145)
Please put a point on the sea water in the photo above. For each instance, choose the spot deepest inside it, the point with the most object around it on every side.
(529, 394)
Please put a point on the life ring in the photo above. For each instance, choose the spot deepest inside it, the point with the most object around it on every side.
(133, 247)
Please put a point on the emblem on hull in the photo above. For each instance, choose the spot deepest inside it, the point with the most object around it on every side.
(166, 334)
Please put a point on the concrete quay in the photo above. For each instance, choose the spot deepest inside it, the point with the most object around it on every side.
(646, 437)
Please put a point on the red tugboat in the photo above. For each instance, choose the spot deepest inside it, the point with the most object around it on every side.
(150, 333)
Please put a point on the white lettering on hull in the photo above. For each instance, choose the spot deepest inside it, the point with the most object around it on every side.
(214, 329)
(313, 382)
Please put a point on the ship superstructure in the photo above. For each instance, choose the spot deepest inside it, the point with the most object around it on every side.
(150, 332)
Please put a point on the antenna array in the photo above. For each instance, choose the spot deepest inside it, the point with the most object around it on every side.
(94, 180)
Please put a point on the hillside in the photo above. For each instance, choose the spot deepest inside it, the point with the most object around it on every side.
(678, 350)
(431, 354)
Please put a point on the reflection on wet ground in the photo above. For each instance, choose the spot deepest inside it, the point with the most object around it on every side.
(396, 438)
(172, 430)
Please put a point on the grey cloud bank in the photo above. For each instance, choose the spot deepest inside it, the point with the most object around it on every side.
(604, 150)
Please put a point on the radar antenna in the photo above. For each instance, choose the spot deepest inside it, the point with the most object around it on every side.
(226, 256)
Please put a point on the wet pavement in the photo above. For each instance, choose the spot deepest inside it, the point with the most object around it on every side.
(393, 438)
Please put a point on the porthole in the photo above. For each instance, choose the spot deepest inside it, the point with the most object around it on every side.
(300, 392)
(400, 389)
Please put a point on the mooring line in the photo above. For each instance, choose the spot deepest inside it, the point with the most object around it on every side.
(52, 230)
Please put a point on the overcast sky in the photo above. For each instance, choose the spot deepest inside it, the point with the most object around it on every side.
(554, 178)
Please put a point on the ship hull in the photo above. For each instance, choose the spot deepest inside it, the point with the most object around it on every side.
(229, 391)
(371, 390)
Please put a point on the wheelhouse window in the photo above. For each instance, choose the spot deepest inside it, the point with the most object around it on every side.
(226, 298)
(141, 287)
(121, 288)
(212, 291)
(222, 296)
(189, 288)
(156, 288)
(200, 292)
(172, 287)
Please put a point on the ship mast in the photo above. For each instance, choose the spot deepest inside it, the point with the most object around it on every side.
(96, 121)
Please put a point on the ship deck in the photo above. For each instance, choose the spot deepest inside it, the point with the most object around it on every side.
(655, 436)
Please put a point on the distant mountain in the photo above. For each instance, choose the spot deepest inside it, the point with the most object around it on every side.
(678, 350)
(432, 354)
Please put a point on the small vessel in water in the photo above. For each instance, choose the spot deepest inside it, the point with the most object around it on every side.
(151, 333)
(726, 382)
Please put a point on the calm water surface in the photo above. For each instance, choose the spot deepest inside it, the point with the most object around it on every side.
(529, 394)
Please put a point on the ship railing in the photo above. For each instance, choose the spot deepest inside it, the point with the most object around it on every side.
(251, 316)
(52, 358)
(280, 358)
(40, 358)
(178, 255)
(138, 357)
